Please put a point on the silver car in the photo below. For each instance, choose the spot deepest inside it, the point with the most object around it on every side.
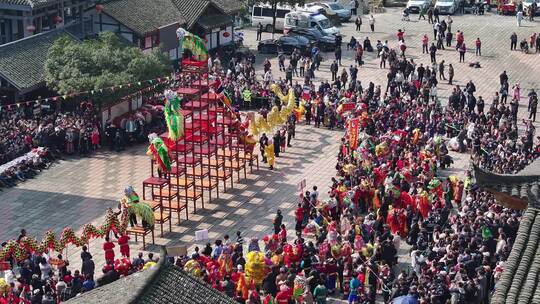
(447, 6)
(415, 6)
(343, 12)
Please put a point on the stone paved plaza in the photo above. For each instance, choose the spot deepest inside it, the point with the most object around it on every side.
(77, 191)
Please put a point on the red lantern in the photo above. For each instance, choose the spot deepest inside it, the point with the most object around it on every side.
(31, 28)
(226, 34)
(99, 8)
(58, 19)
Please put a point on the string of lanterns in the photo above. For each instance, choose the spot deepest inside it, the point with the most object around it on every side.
(152, 82)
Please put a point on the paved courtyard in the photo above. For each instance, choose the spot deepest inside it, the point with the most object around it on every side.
(75, 192)
(78, 191)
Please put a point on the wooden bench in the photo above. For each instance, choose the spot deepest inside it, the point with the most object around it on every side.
(223, 175)
(153, 204)
(250, 157)
(208, 184)
(160, 217)
(139, 230)
(191, 195)
(236, 165)
(176, 205)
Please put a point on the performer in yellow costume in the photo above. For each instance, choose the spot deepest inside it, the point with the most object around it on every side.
(269, 153)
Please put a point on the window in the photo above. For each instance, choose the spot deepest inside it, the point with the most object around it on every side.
(267, 12)
(257, 11)
(325, 23)
(280, 13)
(147, 42)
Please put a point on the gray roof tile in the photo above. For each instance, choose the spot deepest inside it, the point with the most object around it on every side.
(522, 269)
(143, 16)
(162, 284)
(22, 62)
(191, 10)
(31, 3)
(231, 6)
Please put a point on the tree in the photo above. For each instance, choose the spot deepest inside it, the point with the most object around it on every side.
(73, 66)
(275, 3)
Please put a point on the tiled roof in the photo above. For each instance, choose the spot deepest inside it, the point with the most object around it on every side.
(162, 284)
(524, 185)
(191, 10)
(122, 291)
(22, 62)
(143, 16)
(210, 22)
(520, 278)
(174, 286)
(31, 3)
(231, 6)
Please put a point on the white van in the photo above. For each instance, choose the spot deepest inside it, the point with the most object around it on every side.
(309, 20)
(263, 13)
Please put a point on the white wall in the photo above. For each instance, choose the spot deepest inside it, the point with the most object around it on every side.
(121, 109)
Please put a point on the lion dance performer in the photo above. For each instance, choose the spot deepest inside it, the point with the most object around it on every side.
(173, 115)
(158, 150)
(269, 154)
(135, 208)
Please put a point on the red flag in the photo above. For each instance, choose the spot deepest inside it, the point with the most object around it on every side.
(353, 133)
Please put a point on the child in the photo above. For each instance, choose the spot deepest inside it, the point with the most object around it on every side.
(283, 141)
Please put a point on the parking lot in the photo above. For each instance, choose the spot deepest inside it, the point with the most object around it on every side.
(493, 30)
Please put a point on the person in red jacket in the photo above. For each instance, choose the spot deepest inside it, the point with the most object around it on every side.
(108, 247)
(299, 216)
(284, 295)
(401, 35)
(124, 246)
(425, 42)
(478, 47)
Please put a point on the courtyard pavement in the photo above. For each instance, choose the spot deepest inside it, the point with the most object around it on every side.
(78, 191)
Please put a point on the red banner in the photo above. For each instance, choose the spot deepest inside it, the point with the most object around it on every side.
(353, 133)
(349, 106)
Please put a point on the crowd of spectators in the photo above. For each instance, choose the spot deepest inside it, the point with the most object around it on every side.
(46, 279)
(57, 133)
(388, 191)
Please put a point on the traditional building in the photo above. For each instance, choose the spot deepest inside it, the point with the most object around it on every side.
(163, 284)
(521, 275)
(152, 24)
(22, 66)
(23, 18)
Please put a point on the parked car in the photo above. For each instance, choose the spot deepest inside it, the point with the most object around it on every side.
(344, 13)
(415, 6)
(447, 6)
(285, 43)
(309, 20)
(507, 7)
(325, 42)
(329, 13)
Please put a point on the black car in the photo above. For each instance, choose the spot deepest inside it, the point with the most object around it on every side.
(325, 42)
(286, 44)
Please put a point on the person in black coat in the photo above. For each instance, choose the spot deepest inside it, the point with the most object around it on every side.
(269, 282)
(277, 143)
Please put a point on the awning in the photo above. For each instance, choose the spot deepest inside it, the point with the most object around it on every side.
(212, 22)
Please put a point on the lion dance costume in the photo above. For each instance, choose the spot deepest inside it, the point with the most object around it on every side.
(173, 115)
(158, 150)
(136, 208)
